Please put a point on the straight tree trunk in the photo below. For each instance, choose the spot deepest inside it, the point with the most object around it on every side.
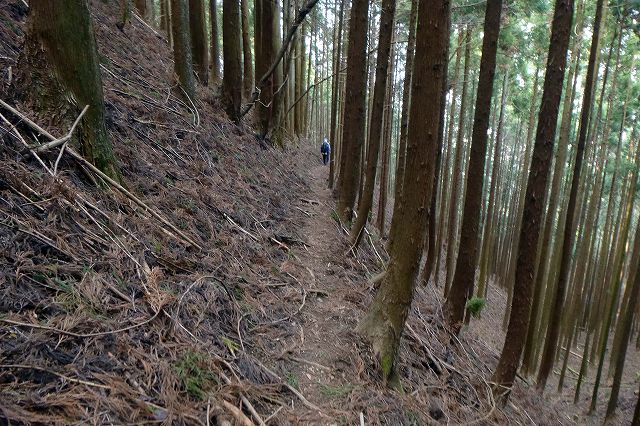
(231, 50)
(375, 129)
(61, 73)
(628, 312)
(215, 41)
(462, 285)
(354, 113)
(199, 48)
(454, 207)
(183, 65)
(386, 155)
(384, 322)
(487, 246)
(248, 81)
(406, 99)
(265, 39)
(505, 372)
(542, 270)
(336, 93)
(569, 234)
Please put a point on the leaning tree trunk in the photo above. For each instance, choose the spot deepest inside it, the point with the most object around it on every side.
(183, 67)
(354, 112)
(61, 75)
(384, 322)
(462, 284)
(375, 127)
(199, 48)
(231, 50)
(505, 372)
(214, 57)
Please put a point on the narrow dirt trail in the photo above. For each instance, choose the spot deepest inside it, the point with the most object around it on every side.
(324, 362)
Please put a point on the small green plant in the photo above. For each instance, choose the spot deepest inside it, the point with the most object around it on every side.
(195, 378)
(336, 391)
(293, 381)
(334, 216)
(157, 247)
(475, 306)
(230, 344)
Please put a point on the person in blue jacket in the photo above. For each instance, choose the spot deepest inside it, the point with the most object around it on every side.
(325, 150)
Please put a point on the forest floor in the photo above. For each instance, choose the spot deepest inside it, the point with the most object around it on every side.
(109, 317)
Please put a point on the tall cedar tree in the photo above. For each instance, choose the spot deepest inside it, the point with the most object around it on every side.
(337, 53)
(214, 57)
(232, 51)
(354, 110)
(457, 168)
(247, 63)
(265, 53)
(626, 322)
(406, 99)
(384, 322)
(462, 285)
(183, 67)
(505, 372)
(375, 129)
(551, 340)
(61, 73)
(199, 48)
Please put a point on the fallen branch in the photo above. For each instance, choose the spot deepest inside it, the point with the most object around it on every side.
(108, 179)
(231, 221)
(238, 414)
(62, 376)
(72, 334)
(62, 140)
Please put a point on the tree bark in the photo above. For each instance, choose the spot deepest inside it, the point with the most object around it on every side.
(336, 93)
(505, 372)
(231, 50)
(354, 113)
(462, 285)
(384, 322)
(570, 225)
(183, 65)
(248, 81)
(406, 99)
(61, 75)
(199, 48)
(457, 171)
(375, 128)
(215, 41)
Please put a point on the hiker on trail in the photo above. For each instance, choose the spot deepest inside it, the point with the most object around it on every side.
(325, 150)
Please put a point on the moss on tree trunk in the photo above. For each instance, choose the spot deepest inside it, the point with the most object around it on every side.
(384, 322)
(60, 75)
